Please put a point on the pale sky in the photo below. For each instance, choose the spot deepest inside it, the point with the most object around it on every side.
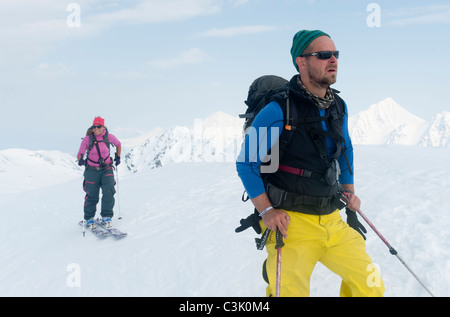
(160, 63)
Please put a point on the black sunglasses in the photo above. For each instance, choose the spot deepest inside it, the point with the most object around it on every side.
(97, 126)
(323, 54)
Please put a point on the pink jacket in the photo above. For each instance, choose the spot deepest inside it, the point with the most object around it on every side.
(93, 153)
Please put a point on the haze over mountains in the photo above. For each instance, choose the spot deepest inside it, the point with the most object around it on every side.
(218, 138)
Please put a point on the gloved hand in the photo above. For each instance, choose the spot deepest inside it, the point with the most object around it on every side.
(353, 222)
(250, 221)
(117, 159)
(81, 162)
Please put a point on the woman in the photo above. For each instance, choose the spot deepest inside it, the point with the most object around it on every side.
(94, 154)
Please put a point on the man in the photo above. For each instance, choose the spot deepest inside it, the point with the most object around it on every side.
(301, 199)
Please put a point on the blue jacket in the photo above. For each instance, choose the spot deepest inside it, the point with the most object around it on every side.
(271, 119)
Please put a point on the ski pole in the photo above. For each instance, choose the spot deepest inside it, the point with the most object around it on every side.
(393, 251)
(84, 227)
(118, 193)
(279, 244)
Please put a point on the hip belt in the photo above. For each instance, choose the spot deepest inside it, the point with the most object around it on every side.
(293, 201)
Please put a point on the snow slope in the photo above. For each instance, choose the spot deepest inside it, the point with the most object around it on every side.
(181, 220)
(23, 169)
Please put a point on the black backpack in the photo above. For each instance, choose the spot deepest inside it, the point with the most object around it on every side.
(260, 94)
(262, 91)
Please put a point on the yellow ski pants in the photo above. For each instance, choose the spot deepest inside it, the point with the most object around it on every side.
(331, 241)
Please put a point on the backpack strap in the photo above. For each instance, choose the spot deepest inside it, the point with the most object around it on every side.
(98, 150)
(292, 120)
(290, 112)
(94, 142)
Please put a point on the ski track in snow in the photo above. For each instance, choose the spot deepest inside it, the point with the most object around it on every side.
(180, 221)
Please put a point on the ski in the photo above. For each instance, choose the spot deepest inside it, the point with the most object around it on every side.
(116, 233)
(99, 233)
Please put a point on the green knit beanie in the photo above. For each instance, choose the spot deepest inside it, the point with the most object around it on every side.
(301, 41)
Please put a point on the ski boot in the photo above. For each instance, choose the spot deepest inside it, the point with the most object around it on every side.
(90, 224)
(106, 222)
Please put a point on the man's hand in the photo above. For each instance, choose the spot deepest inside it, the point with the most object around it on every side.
(354, 203)
(274, 218)
(277, 219)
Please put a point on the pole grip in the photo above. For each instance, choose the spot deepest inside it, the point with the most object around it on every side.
(279, 240)
(260, 243)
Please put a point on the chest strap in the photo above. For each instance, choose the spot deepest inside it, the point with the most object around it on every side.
(299, 171)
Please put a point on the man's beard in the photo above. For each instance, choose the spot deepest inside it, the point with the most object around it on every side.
(321, 81)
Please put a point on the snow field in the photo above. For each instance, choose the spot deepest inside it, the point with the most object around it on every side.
(181, 219)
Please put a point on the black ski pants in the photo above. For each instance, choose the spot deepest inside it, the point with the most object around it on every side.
(94, 179)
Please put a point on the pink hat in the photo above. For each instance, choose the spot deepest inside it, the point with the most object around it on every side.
(99, 121)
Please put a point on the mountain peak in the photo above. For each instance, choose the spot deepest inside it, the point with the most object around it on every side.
(438, 134)
(392, 113)
(386, 122)
(221, 119)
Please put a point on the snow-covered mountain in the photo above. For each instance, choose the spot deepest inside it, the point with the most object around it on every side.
(438, 133)
(218, 138)
(386, 123)
(23, 169)
(214, 139)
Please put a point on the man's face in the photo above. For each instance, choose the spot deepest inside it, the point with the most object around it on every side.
(321, 73)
